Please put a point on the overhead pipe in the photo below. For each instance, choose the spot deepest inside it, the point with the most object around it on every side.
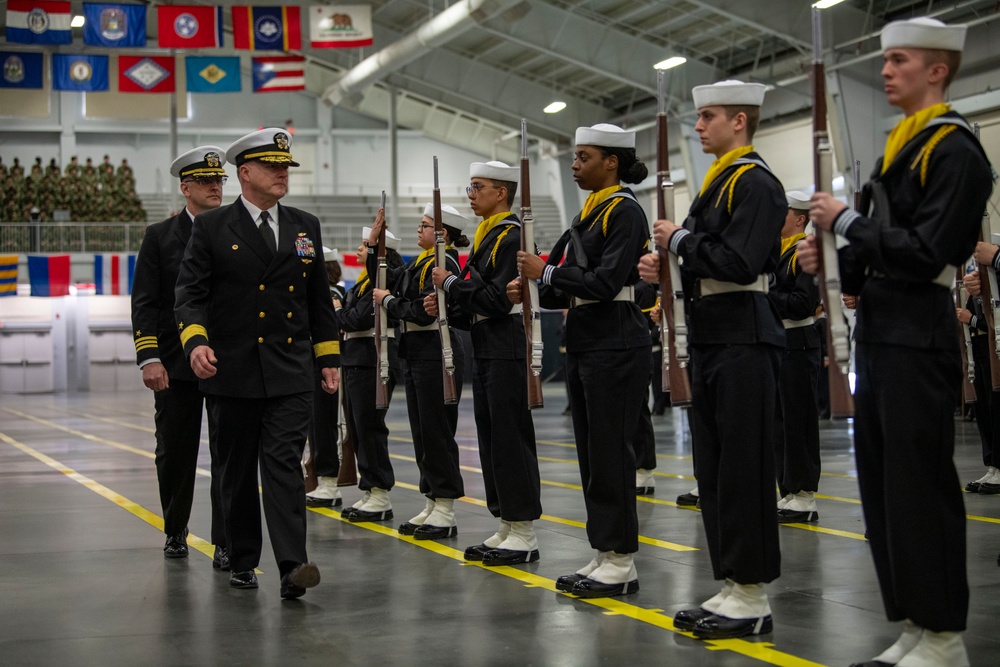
(438, 31)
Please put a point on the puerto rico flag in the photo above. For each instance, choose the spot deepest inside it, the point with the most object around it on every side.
(189, 26)
(113, 273)
(38, 22)
(146, 74)
(48, 275)
(279, 73)
(267, 28)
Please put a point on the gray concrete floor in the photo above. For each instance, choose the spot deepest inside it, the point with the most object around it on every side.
(83, 580)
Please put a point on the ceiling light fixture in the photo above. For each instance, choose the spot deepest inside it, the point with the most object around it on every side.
(826, 4)
(670, 62)
(77, 21)
(555, 107)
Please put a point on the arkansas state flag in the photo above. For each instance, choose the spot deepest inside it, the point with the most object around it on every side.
(113, 273)
(114, 25)
(267, 28)
(48, 275)
(79, 72)
(146, 74)
(340, 26)
(279, 73)
(38, 22)
(189, 26)
(8, 275)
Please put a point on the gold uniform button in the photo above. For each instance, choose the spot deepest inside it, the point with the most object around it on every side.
(260, 340)
(289, 340)
(289, 316)
(261, 315)
(261, 288)
(291, 288)
(303, 274)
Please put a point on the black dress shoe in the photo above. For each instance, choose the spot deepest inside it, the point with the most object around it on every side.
(971, 487)
(497, 557)
(361, 515)
(797, 516)
(645, 490)
(567, 581)
(714, 626)
(989, 489)
(324, 502)
(408, 528)
(591, 588)
(476, 552)
(176, 546)
(246, 579)
(429, 532)
(685, 619)
(687, 500)
(220, 561)
(872, 663)
(295, 583)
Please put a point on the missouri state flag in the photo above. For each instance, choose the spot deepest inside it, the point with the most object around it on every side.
(8, 275)
(114, 26)
(279, 73)
(267, 28)
(213, 74)
(48, 275)
(146, 74)
(84, 73)
(38, 22)
(21, 70)
(189, 26)
(114, 273)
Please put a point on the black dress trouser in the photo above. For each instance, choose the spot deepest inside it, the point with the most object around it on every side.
(796, 429)
(433, 425)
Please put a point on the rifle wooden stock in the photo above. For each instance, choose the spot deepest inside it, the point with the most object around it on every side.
(673, 320)
(965, 344)
(381, 328)
(447, 352)
(531, 316)
(990, 295)
(838, 343)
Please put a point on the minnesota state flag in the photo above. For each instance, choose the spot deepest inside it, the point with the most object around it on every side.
(213, 74)
(8, 275)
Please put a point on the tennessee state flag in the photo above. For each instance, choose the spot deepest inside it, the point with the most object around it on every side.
(48, 275)
(113, 273)
(267, 28)
(146, 74)
(189, 26)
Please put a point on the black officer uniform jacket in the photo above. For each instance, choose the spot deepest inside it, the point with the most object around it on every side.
(156, 267)
(406, 303)
(937, 188)
(264, 317)
(612, 238)
(795, 295)
(490, 268)
(732, 234)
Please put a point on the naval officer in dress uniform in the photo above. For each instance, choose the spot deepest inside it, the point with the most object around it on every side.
(254, 310)
(165, 370)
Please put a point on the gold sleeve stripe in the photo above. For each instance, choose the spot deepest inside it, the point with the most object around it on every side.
(139, 347)
(191, 331)
(142, 339)
(326, 347)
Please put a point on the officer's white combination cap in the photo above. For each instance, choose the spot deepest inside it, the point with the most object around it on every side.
(201, 161)
(390, 240)
(923, 33)
(728, 93)
(449, 216)
(496, 171)
(271, 145)
(797, 200)
(606, 135)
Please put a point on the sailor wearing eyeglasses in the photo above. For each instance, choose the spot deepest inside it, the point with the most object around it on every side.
(165, 370)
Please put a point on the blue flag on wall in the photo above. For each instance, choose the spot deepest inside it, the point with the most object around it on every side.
(79, 72)
(21, 70)
(213, 74)
(114, 25)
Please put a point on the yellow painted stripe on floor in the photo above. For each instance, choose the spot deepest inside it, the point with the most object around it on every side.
(826, 531)
(762, 651)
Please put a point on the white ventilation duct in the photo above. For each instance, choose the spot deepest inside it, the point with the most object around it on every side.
(438, 31)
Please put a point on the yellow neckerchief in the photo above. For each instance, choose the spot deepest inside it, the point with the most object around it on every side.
(425, 254)
(788, 243)
(594, 199)
(362, 282)
(721, 164)
(486, 226)
(908, 128)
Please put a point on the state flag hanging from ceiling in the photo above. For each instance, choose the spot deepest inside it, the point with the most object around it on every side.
(189, 26)
(146, 74)
(267, 28)
(21, 70)
(79, 72)
(340, 26)
(114, 26)
(213, 74)
(38, 22)
(279, 73)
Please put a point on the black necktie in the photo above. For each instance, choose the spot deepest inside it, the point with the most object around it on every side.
(265, 231)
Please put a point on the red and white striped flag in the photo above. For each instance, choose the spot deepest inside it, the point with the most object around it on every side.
(279, 73)
(113, 273)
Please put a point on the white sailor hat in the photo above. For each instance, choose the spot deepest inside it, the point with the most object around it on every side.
(728, 93)
(331, 254)
(798, 200)
(496, 171)
(201, 161)
(268, 145)
(605, 134)
(390, 241)
(923, 33)
(450, 216)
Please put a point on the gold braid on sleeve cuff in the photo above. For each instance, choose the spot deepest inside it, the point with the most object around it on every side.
(191, 331)
(326, 347)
